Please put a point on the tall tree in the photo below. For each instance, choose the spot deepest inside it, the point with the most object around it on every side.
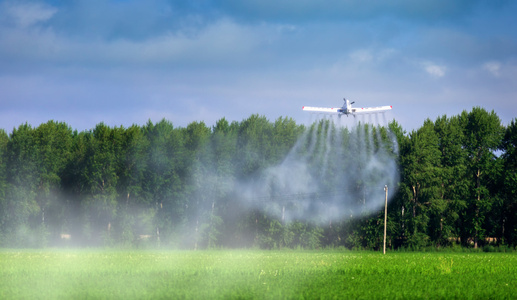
(254, 144)
(22, 210)
(165, 176)
(132, 164)
(53, 141)
(133, 210)
(223, 145)
(421, 181)
(99, 181)
(509, 183)
(454, 185)
(4, 139)
(483, 134)
(203, 186)
(285, 133)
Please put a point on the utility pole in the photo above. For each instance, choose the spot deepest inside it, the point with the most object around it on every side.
(385, 218)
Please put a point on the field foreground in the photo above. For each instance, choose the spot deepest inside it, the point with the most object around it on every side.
(76, 274)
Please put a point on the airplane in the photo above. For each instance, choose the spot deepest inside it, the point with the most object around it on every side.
(347, 109)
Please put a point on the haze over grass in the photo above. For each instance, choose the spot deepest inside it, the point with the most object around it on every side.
(255, 274)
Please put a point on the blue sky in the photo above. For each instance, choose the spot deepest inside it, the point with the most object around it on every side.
(127, 61)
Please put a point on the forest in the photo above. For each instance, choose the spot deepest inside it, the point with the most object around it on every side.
(453, 184)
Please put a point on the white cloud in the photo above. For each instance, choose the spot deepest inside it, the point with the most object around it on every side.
(364, 56)
(434, 69)
(361, 56)
(494, 67)
(223, 43)
(28, 14)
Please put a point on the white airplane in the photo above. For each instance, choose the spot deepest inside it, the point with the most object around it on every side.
(347, 109)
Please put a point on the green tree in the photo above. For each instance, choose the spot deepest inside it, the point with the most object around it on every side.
(254, 145)
(397, 208)
(132, 164)
(285, 133)
(21, 211)
(99, 180)
(223, 146)
(203, 186)
(165, 177)
(421, 178)
(133, 208)
(483, 134)
(509, 183)
(4, 140)
(53, 142)
(454, 185)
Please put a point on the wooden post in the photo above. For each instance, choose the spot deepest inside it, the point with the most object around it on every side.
(385, 218)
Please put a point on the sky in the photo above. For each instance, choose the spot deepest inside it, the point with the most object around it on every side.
(125, 62)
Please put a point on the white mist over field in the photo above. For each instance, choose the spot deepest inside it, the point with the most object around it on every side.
(334, 171)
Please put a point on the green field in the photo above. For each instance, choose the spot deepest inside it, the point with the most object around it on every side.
(255, 274)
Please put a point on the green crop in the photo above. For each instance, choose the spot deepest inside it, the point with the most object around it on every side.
(253, 274)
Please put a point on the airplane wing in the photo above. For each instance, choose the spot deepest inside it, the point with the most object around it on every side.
(347, 109)
(357, 110)
(323, 109)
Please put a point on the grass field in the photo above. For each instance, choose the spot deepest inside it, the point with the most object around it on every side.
(254, 274)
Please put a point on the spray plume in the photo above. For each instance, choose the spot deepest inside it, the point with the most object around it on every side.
(333, 172)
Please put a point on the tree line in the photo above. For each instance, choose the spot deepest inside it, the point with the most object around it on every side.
(167, 186)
